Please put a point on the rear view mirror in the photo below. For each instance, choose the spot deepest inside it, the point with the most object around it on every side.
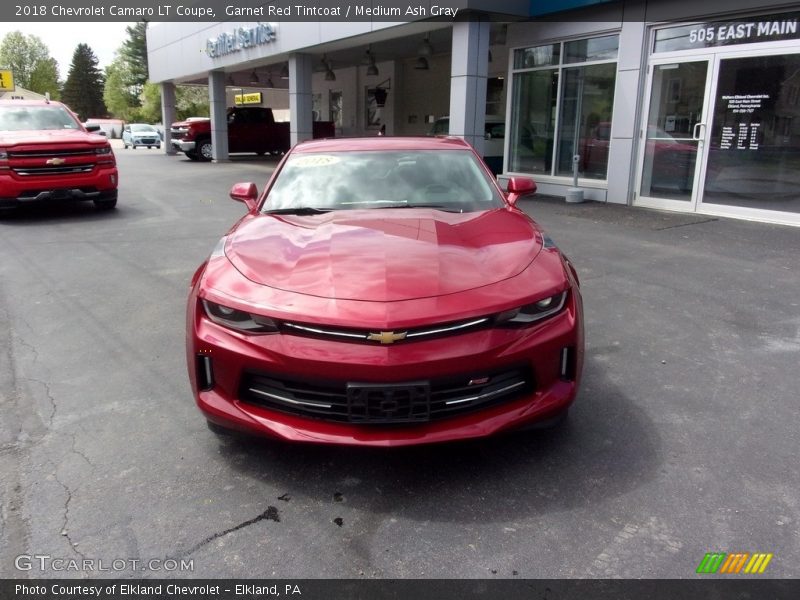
(245, 192)
(518, 187)
(92, 127)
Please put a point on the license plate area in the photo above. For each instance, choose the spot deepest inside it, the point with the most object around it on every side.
(389, 403)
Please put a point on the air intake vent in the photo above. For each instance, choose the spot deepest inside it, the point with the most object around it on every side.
(205, 373)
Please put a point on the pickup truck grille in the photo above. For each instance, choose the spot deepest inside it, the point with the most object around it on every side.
(65, 170)
(50, 153)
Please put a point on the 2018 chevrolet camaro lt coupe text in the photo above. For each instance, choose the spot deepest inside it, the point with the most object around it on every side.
(384, 292)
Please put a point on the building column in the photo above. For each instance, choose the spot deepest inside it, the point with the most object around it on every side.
(468, 73)
(219, 115)
(168, 113)
(300, 104)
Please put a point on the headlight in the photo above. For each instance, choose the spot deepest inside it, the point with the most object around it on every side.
(239, 320)
(536, 311)
(103, 150)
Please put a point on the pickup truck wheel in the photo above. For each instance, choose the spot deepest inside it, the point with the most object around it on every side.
(192, 155)
(205, 149)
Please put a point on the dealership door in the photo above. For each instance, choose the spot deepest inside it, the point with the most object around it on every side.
(673, 140)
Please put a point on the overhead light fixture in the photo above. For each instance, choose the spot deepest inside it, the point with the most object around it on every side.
(254, 78)
(284, 72)
(372, 68)
(425, 48)
(329, 74)
(421, 64)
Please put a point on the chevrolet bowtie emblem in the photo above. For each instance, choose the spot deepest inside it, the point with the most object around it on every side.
(387, 337)
(55, 161)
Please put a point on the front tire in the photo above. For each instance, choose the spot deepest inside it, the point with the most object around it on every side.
(192, 155)
(205, 150)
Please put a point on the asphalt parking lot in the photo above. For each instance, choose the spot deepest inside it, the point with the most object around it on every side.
(684, 438)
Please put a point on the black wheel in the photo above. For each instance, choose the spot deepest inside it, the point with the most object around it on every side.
(192, 155)
(205, 150)
(133, 146)
(149, 147)
(158, 147)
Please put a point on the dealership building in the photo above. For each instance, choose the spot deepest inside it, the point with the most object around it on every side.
(686, 106)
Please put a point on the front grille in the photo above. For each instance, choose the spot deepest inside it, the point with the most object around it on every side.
(63, 170)
(387, 403)
(51, 153)
(377, 336)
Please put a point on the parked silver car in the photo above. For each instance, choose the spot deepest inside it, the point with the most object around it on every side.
(140, 134)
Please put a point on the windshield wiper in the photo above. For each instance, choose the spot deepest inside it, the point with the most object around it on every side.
(441, 207)
(298, 210)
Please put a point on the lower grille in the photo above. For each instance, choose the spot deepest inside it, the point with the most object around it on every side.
(385, 403)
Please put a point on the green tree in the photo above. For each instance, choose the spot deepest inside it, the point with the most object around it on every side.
(150, 112)
(191, 101)
(134, 52)
(44, 78)
(120, 97)
(29, 58)
(83, 90)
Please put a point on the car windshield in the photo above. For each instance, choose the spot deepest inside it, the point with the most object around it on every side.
(450, 180)
(26, 118)
(143, 128)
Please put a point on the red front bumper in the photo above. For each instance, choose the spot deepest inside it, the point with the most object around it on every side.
(538, 349)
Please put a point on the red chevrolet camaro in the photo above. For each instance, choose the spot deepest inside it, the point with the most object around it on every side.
(384, 292)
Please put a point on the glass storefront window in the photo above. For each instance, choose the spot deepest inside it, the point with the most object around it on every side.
(585, 122)
(602, 48)
(754, 153)
(533, 121)
(539, 56)
(565, 109)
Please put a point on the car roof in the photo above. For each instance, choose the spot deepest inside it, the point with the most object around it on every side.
(382, 143)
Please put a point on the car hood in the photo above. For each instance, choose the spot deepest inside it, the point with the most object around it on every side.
(383, 255)
(50, 136)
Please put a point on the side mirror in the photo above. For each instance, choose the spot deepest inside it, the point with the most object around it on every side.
(92, 127)
(245, 192)
(518, 187)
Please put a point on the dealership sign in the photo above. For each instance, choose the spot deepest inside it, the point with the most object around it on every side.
(726, 33)
(251, 98)
(240, 39)
(6, 80)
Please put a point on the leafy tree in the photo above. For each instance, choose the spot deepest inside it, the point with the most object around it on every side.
(191, 101)
(83, 90)
(120, 97)
(30, 59)
(44, 78)
(150, 112)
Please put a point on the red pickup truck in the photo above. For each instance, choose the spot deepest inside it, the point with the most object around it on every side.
(47, 154)
(250, 129)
